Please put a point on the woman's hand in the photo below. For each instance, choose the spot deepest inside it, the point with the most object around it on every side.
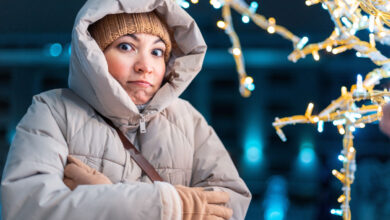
(78, 173)
(199, 204)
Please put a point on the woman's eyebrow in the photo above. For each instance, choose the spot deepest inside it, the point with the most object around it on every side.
(158, 40)
(133, 36)
(137, 39)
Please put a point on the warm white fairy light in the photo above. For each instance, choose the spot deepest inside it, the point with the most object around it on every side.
(329, 48)
(245, 19)
(316, 56)
(221, 24)
(236, 51)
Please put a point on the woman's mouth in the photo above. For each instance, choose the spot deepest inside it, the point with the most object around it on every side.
(140, 83)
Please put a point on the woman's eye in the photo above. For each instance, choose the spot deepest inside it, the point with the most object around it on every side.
(158, 52)
(125, 46)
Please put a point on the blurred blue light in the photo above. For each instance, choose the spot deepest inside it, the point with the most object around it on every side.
(253, 149)
(253, 154)
(11, 135)
(272, 214)
(185, 4)
(251, 87)
(55, 49)
(252, 142)
(275, 199)
(254, 5)
(245, 19)
(306, 154)
(69, 49)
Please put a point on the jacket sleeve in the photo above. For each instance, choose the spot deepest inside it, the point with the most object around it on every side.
(213, 167)
(32, 186)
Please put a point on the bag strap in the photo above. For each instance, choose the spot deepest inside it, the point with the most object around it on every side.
(135, 154)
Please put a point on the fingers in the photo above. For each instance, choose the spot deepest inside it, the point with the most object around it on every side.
(220, 211)
(72, 159)
(100, 178)
(216, 197)
(79, 163)
(190, 188)
(70, 183)
(73, 171)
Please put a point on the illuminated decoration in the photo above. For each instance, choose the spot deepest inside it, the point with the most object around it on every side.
(344, 112)
(248, 13)
(346, 115)
(349, 17)
(185, 4)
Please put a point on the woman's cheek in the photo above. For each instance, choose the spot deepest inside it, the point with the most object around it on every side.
(118, 68)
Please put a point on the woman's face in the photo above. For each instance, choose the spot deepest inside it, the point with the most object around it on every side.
(137, 62)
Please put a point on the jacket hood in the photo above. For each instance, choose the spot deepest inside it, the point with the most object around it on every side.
(89, 76)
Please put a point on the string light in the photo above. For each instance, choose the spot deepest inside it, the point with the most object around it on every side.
(216, 4)
(320, 126)
(316, 56)
(341, 158)
(221, 24)
(338, 212)
(348, 19)
(341, 199)
(183, 3)
(245, 19)
(236, 51)
(271, 25)
(302, 42)
(309, 110)
(344, 91)
(329, 48)
(340, 113)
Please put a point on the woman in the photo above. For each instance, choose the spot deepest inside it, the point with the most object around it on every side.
(67, 162)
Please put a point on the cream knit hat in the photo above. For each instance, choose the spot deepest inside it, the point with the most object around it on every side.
(111, 27)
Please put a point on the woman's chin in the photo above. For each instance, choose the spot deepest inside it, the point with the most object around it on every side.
(139, 100)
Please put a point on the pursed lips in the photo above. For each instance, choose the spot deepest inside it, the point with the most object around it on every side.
(141, 83)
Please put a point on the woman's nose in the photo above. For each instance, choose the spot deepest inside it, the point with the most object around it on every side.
(143, 65)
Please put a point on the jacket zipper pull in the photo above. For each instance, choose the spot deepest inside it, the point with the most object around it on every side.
(142, 125)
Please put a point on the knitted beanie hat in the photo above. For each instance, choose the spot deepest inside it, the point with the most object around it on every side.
(111, 27)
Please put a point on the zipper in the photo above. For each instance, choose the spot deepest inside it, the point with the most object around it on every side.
(142, 124)
(142, 121)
